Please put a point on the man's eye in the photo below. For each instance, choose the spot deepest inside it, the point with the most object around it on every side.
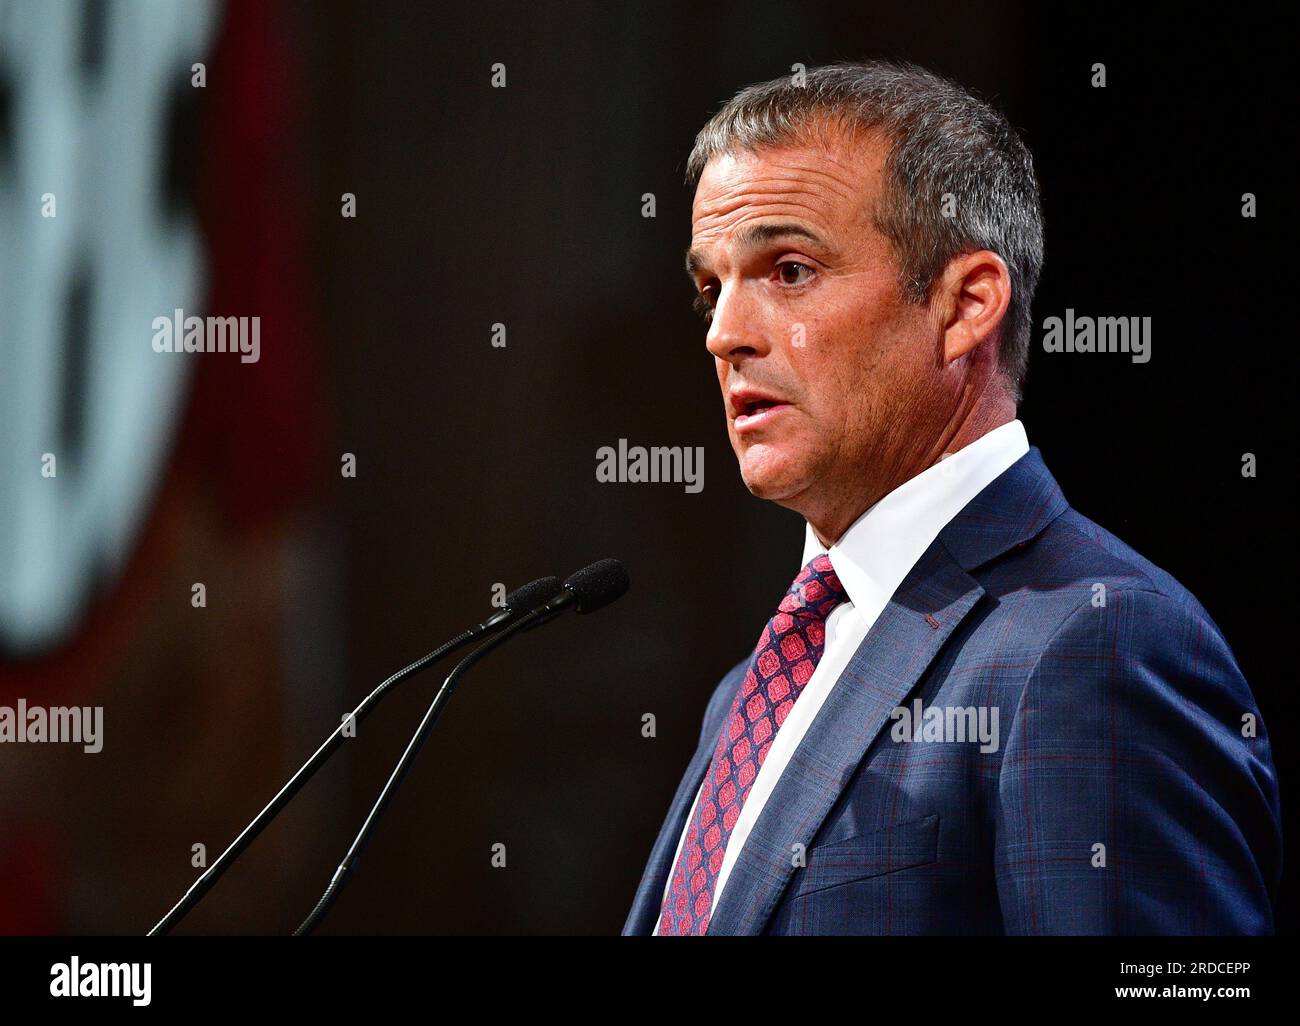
(794, 273)
(704, 304)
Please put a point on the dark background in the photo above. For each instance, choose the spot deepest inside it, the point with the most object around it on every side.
(476, 465)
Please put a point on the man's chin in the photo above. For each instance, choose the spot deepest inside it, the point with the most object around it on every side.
(771, 477)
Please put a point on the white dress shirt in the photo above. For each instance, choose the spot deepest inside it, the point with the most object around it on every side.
(871, 559)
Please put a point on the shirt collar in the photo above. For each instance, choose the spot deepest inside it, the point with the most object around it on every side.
(880, 548)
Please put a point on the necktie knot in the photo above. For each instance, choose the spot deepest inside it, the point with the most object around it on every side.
(815, 592)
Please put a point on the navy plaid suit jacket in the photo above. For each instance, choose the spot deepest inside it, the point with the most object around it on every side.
(1120, 725)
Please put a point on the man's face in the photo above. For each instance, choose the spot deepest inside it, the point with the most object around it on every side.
(828, 377)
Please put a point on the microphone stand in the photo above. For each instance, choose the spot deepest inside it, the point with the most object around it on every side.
(204, 883)
(345, 868)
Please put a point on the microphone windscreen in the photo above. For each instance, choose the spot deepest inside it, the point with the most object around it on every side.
(598, 585)
(528, 597)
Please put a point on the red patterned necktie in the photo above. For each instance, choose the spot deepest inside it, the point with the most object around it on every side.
(788, 651)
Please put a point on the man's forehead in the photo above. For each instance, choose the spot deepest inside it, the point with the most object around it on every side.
(816, 189)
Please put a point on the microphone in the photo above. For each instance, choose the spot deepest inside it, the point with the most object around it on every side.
(585, 591)
(519, 603)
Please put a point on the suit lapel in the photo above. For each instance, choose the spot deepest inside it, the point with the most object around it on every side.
(926, 609)
(923, 613)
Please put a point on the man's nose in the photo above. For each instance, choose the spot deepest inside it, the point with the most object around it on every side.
(736, 330)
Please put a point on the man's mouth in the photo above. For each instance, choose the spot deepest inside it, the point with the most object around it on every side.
(752, 410)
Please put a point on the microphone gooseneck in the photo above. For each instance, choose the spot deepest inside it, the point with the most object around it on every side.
(587, 590)
(344, 870)
(519, 602)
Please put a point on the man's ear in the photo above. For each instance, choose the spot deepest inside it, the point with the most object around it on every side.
(977, 292)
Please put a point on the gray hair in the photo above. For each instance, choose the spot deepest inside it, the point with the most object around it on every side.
(943, 142)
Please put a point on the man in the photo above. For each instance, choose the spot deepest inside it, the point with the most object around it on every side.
(975, 711)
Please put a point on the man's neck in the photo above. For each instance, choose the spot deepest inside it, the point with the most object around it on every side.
(829, 525)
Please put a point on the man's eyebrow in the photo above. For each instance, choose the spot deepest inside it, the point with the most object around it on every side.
(755, 235)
